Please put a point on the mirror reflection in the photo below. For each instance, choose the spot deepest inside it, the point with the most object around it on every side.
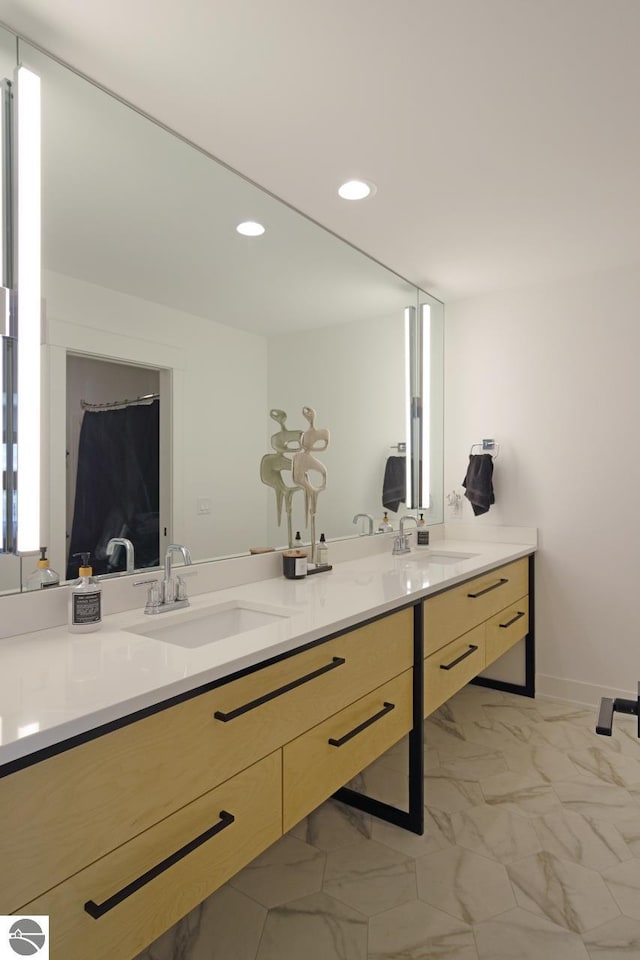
(152, 293)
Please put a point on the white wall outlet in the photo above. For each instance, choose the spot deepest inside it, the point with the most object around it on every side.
(203, 505)
(454, 502)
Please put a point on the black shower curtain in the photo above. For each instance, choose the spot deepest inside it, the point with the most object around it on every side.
(117, 486)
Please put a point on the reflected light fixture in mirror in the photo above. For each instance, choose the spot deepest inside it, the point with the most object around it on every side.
(425, 408)
(409, 385)
(29, 307)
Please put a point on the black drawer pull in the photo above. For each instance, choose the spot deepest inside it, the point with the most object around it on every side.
(463, 656)
(232, 714)
(97, 910)
(518, 615)
(494, 586)
(388, 707)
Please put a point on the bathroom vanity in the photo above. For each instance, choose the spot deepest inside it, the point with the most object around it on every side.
(121, 828)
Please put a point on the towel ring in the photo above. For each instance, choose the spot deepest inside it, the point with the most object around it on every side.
(486, 446)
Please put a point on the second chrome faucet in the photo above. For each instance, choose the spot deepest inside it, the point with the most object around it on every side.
(401, 542)
(170, 593)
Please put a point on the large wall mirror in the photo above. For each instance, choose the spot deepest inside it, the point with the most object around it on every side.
(151, 292)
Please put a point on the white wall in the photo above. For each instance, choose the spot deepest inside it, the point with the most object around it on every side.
(353, 376)
(219, 394)
(552, 374)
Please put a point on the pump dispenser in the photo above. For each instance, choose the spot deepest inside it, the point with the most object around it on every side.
(323, 551)
(85, 600)
(385, 525)
(43, 577)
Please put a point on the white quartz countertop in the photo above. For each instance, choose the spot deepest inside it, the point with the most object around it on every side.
(55, 685)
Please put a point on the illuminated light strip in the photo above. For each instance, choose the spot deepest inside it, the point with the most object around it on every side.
(29, 307)
(4, 512)
(425, 452)
(408, 316)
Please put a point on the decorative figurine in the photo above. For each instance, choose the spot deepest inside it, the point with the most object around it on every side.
(305, 464)
(273, 465)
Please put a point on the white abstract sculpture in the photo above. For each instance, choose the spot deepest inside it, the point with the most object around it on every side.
(273, 465)
(305, 465)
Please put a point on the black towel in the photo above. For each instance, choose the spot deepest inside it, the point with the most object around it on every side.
(478, 482)
(394, 487)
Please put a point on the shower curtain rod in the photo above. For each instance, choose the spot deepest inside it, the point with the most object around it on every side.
(115, 404)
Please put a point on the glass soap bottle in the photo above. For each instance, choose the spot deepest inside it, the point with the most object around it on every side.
(43, 576)
(85, 600)
(323, 551)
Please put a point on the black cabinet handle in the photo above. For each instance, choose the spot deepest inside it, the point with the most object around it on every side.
(494, 586)
(388, 707)
(97, 910)
(232, 714)
(463, 656)
(519, 614)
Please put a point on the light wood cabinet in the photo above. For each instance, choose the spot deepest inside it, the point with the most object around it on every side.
(469, 626)
(119, 837)
(316, 764)
(506, 628)
(452, 613)
(104, 792)
(451, 668)
(114, 908)
(100, 824)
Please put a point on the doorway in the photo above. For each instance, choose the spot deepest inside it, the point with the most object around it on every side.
(115, 483)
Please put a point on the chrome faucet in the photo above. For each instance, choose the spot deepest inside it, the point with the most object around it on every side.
(401, 542)
(128, 547)
(170, 587)
(366, 516)
(171, 592)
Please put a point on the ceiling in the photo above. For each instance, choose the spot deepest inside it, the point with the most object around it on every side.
(502, 135)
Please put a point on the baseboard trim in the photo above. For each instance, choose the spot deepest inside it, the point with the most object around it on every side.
(574, 691)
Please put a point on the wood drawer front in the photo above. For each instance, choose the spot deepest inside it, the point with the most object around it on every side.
(61, 814)
(456, 611)
(253, 798)
(506, 628)
(313, 768)
(443, 676)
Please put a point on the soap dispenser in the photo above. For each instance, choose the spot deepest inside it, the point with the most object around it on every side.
(85, 600)
(386, 525)
(423, 532)
(43, 577)
(323, 552)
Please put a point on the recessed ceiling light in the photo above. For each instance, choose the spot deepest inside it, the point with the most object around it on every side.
(356, 189)
(250, 228)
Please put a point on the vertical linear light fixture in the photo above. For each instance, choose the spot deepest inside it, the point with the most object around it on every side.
(4, 330)
(408, 403)
(29, 307)
(6, 389)
(425, 393)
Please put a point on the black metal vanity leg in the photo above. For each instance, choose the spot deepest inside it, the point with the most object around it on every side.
(530, 642)
(416, 736)
(413, 819)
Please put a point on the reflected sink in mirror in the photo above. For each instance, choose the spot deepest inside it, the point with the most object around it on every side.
(197, 628)
(433, 556)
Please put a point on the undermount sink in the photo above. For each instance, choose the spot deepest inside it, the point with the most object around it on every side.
(196, 628)
(439, 557)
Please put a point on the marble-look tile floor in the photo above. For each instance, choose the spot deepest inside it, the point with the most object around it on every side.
(531, 852)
